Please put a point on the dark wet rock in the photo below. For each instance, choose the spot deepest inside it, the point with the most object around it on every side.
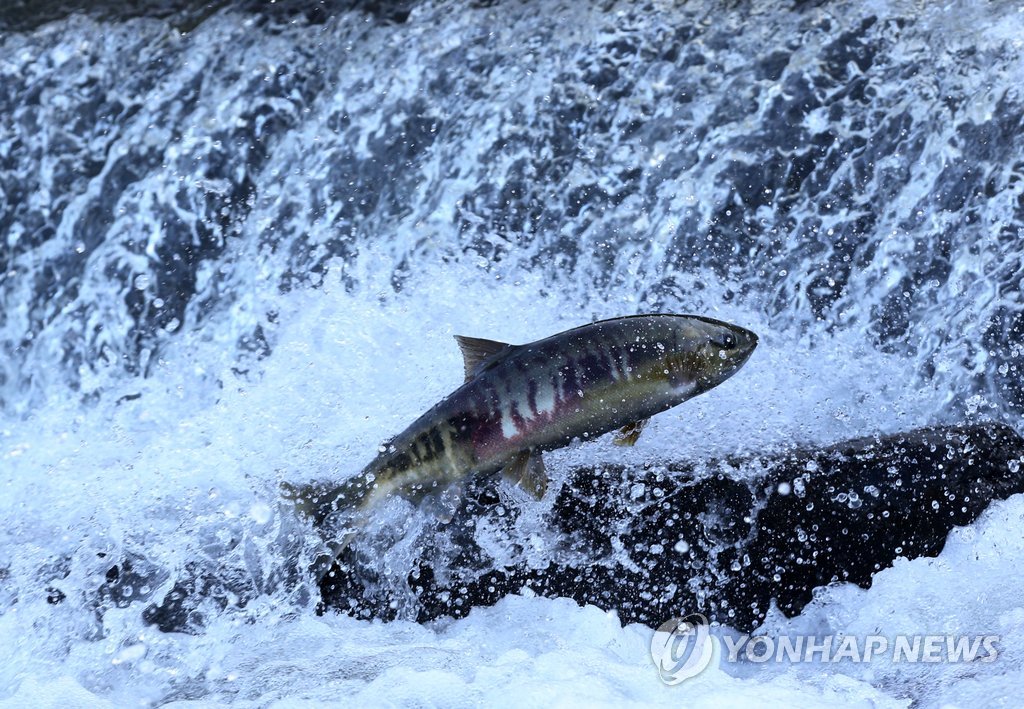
(131, 580)
(728, 538)
(200, 594)
(725, 538)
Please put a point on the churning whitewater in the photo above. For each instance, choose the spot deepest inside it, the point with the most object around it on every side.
(237, 240)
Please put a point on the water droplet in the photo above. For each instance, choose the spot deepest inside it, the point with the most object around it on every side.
(141, 281)
(799, 487)
(260, 512)
(132, 653)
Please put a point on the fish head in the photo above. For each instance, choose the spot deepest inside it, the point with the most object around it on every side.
(703, 353)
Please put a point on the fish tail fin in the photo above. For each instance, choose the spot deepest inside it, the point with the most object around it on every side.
(335, 557)
(317, 501)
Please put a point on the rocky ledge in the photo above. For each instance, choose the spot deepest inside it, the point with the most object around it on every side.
(726, 538)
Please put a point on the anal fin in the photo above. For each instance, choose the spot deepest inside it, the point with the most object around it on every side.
(630, 433)
(527, 471)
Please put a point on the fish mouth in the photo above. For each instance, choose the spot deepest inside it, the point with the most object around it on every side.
(747, 342)
(747, 345)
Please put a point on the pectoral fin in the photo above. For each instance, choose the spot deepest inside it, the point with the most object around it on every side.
(527, 471)
(630, 433)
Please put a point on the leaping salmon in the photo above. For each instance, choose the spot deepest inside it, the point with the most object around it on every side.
(520, 400)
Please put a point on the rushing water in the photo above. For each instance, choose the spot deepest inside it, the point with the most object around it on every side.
(236, 241)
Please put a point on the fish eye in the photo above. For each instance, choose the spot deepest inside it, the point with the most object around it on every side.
(727, 342)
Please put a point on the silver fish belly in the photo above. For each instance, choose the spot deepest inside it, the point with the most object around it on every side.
(520, 400)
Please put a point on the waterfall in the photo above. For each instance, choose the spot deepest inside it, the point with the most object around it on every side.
(236, 239)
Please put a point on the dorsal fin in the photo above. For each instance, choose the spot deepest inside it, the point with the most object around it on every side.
(476, 351)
